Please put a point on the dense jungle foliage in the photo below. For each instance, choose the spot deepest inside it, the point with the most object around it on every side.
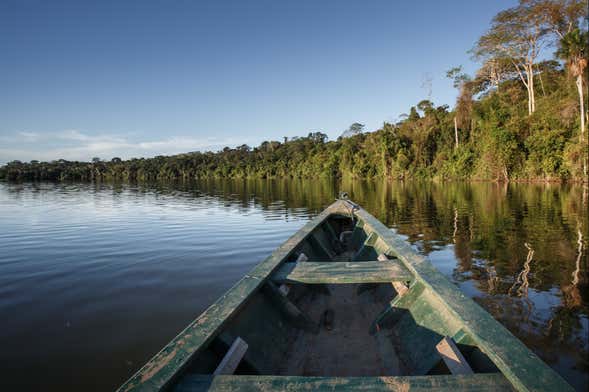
(520, 117)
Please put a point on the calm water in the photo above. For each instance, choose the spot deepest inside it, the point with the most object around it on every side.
(94, 279)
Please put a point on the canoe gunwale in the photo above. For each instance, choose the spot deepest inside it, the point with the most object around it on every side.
(479, 382)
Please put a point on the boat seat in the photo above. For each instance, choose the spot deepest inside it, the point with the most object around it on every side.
(311, 272)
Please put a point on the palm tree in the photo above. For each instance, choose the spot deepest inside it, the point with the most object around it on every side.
(574, 50)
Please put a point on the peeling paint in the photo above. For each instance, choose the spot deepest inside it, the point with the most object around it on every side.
(394, 384)
(156, 366)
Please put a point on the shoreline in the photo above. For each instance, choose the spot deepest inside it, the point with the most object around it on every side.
(412, 179)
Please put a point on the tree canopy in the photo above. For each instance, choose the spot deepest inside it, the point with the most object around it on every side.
(517, 117)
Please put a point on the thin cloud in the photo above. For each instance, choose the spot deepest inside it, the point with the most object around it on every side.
(29, 136)
(79, 146)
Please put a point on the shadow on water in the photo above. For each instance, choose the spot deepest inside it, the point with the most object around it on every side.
(520, 250)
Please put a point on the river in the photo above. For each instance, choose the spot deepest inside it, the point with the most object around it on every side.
(96, 278)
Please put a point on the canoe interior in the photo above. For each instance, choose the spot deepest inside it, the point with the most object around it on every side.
(339, 328)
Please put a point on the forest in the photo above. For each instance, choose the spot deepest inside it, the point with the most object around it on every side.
(520, 117)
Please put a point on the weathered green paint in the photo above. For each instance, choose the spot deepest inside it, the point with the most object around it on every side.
(445, 383)
(397, 307)
(342, 272)
(520, 366)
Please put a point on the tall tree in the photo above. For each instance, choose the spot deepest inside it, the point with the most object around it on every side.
(462, 82)
(574, 50)
(564, 15)
(354, 129)
(518, 34)
(492, 72)
(564, 18)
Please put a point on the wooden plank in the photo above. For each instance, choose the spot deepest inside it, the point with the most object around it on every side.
(302, 257)
(162, 369)
(400, 287)
(232, 358)
(452, 357)
(227, 338)
(520, 365)
(342, 272)
(396, 309)
(487, 382)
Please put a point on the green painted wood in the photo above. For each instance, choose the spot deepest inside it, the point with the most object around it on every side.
(422, 326)
(227, 340)
(342, 272)
(452, 357)
(520, 365)
(443, 383)
(162, 369)
(396, 308)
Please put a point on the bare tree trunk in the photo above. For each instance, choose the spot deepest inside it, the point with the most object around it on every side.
(455, 132)
(582, 103)
(531, 88)
(526, 81)
(579, 83)
(541, 82)
(529, 102)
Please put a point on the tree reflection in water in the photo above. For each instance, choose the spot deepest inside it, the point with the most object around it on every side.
(518, 249)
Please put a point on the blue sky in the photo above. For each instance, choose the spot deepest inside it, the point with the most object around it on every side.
(80, 79)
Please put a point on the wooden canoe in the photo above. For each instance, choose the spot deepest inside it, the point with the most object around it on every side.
(345, 304)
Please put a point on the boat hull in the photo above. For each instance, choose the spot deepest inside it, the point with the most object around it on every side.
(346, 304)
